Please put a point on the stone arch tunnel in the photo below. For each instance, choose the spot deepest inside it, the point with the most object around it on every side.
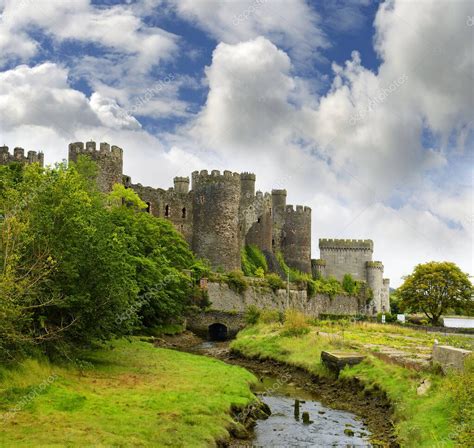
(216, 325)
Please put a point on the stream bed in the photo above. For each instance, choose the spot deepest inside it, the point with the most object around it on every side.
(285, 427)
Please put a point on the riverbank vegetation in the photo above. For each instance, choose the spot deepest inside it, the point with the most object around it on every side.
(79, 266)
(442, 416)
(130, 394)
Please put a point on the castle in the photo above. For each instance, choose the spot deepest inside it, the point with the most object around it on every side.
(220, 213)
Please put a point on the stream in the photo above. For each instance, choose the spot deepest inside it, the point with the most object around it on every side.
(285, 427)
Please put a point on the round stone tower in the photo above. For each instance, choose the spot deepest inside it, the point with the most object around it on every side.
(296, 238)
(216, 199)
(247, 189)
(375, 282)
(278, 217)
(109, 162)
(318, 268)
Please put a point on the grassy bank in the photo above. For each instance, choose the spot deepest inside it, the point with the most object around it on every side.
(443, 417)
(132, 395)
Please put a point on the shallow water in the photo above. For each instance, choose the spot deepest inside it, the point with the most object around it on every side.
(284, 429)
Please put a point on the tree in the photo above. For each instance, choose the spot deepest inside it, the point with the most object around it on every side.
(434, 287)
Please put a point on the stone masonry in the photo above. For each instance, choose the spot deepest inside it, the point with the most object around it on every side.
(354, 257)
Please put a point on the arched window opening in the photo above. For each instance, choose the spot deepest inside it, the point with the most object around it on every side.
(183, 213)
(258, 220)
(148, 207)
(167, 210)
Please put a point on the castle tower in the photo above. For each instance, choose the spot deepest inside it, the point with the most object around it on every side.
(19, 156)
(386, 296)
(181, 185)
(375, 282)
(346, 257)
(247, 189)
(216, 200)
(296, 238)
(318, 268)
(279, 215)
(109, 161)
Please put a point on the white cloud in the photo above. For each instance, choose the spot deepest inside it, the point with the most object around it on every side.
(291, 24)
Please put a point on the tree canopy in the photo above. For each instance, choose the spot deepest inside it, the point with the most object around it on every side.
(435, 287)
(79, 266)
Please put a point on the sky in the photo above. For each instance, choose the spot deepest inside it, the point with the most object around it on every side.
(363, 110)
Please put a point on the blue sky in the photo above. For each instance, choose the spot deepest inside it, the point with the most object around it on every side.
(362, 109)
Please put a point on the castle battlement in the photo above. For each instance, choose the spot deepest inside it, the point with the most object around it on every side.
(299, 209)
(19, 156)
(374, 265)
(279, 193)
(90, 148)
(345, 244)
(248, 176)
(204, 176)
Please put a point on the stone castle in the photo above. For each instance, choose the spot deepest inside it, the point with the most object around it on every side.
(219, 213)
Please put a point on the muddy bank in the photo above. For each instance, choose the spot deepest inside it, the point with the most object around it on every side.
(349, 395)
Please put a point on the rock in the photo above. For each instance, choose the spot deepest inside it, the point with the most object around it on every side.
(423, 387)
(297, 409)
(238, 431)
(306, 419)
(349, 432)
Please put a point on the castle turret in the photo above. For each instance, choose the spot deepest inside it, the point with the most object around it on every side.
(318, 268)
(278, 214)
(216, 199)
(247, 189)
(296, 238)
(375, 282)
(386, 296)
(181, 185)
(109, 161)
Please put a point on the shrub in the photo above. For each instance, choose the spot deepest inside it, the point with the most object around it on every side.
(253, 261)
(252, 315)
(295, 324)
(349, 284)
(237, 282)
(270, 316)
(275, 282)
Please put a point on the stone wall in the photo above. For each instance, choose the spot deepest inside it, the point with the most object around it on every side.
(19, 156)
(224, 299)
(109, 161)
(346, 257)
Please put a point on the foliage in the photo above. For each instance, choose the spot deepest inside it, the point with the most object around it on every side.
(268, 316)
(329, 286)
(389, 318)
(348, 284)
(296, 323)
(80, 267)
(434, 287)
(253, 261)
(236, 281)
(252, 315)
(275, 282)
(130, 385)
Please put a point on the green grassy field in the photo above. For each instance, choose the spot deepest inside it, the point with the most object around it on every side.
(443, 417)
(133, 395)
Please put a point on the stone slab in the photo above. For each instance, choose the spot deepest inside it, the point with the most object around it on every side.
(450, 357)
(338, 360)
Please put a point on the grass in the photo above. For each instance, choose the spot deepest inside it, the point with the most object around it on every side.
(443, 417)
(133, 395)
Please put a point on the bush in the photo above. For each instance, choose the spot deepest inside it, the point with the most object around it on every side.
(270, 316)
(349, 284)
(389, 318)
(275, 282)
(296, 323)
(253, 261)
(252, 315)
(236, 281)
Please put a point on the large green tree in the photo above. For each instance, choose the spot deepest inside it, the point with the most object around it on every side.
(435, 287)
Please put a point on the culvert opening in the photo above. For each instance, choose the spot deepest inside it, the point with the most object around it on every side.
(217, 332)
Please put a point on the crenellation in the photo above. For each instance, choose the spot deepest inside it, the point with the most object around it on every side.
(104, 147)
(18, 156)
